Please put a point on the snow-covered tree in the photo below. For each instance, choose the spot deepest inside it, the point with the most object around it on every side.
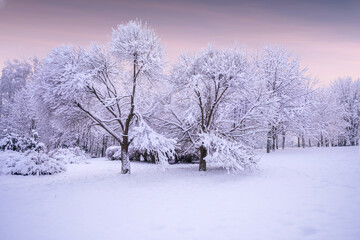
(302, 114)
(327, 122)
(58, 120)
(14, 76)
(347, 94)
(20, 117)
(208, 90)
(114, 89)
(285, 81)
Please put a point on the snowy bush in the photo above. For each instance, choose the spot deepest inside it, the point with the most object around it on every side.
(17, 143)
(146, 139)
(113, 153)
(30, 163)
(69, 155)
(232, 156)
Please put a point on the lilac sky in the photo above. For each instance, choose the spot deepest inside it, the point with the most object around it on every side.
(325, 34)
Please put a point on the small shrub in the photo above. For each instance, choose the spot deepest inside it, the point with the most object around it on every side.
(31, 163)
(14, 142)
(113, 153)
(69, 155)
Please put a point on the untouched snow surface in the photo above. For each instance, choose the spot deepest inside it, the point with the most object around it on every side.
(296, 194)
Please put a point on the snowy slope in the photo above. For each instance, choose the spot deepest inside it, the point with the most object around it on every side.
(296, 194)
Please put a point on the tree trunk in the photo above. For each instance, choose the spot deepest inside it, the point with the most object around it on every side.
(321, 140)
(309, 142)
(277, 141)
(104, 146)
(303, 141)
(283, 140)
(298, 142)
(125, 161)
(203, 154)
(273, 142)
(268, 143)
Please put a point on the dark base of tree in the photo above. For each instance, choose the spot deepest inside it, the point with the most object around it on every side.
(125, 161)
(202, 165)
(268, 143)
(283, 140)
(203, 153)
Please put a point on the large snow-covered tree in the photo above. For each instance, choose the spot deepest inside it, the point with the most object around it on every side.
(114, 89)
(209, 88)
(285, 83)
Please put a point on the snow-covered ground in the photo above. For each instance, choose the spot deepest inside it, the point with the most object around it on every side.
(296, 194)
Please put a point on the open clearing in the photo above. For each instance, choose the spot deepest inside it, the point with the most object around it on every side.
(311, 193)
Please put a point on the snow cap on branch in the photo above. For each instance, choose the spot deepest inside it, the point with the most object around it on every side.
(135, 42)
(146, 139)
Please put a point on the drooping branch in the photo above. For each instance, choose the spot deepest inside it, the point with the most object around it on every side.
(100, 122)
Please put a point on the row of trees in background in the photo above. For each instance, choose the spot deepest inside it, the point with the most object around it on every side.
(217, 105)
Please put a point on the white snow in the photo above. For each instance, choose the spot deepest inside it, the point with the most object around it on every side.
(30, 163)
(311, 193)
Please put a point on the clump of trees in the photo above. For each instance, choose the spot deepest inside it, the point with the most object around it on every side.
(217, 105)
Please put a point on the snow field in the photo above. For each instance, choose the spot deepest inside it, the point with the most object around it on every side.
(309, 193)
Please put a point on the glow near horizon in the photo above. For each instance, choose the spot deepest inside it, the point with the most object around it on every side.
(325, 35)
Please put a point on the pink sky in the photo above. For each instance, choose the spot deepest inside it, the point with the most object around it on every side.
(324, 34)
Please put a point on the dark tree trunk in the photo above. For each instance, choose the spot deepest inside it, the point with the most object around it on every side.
(125, 161)
(298, 142)
(321, 140)
(268, 143)
(273, 134)
(303, 141)
(283, 140)
(104, 146)
(309, 142)
(273, 142)
(203, 154)
(277, 141)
